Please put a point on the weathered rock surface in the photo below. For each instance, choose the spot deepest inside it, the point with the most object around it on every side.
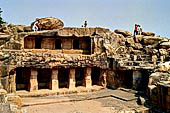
(123, 32)
(148, 33)
(165, 45)
(10, 103)
(150, 40)
(49, 23)
(164, 66)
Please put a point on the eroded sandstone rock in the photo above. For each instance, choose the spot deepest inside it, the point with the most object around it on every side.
(123, 32)
(49, 23)
(148, 33)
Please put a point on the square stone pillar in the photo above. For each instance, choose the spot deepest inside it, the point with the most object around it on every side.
(1, 86)
(87, 74)
(12, 83)
(54, 80)
(33, 86)
(72, 81)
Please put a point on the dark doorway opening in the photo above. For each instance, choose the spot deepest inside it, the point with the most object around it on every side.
(128, 79)
(144, 79)
(58, 44)
(63, 77)
(44, 77)
(76, 44)
(111, 60)
(79, 76)
(95, 75)
(38, 41)
(22, 78)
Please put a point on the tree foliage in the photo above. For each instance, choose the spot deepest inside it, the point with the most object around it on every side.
(1, 20)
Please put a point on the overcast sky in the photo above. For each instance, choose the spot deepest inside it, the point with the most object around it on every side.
(152, 15)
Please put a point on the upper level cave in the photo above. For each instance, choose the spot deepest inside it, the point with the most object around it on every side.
(73, 45)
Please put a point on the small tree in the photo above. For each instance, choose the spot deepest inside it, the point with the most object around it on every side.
(1, 20)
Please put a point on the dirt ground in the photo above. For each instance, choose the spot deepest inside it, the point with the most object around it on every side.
(104, 101)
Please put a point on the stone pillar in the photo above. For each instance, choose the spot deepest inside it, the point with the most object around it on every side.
(1, 86)
(13, 83)
(72, 81)
(33, 86)
(54, 80)
(136, 78)
(102, 79)
(87, 74)
(22, 43)
(162, 57)
(135, 57)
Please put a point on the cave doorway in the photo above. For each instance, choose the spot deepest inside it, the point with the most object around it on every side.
(44, 77)
(22, 78)
(79, 75)
(63, 77)
(95, 75)
(128, 79)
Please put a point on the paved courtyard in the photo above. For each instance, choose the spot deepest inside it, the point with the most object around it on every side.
(103, 101)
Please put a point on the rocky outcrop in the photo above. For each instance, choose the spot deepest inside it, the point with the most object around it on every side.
(150, 40)
(49, 23)
(148, 33)
(123, 32)
(165, 45)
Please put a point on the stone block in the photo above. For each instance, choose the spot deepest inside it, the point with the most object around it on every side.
(15, 99)
(3, 92)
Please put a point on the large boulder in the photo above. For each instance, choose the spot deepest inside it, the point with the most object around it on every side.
(49, 23)
(148, 33)
(150, 40)
(123, 32)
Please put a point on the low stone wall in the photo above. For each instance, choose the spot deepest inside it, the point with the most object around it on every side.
(10, 103)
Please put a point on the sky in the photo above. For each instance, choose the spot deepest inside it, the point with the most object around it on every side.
(152, 15)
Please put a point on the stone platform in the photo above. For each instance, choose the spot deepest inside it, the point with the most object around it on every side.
(97, 101)
(62, 91)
